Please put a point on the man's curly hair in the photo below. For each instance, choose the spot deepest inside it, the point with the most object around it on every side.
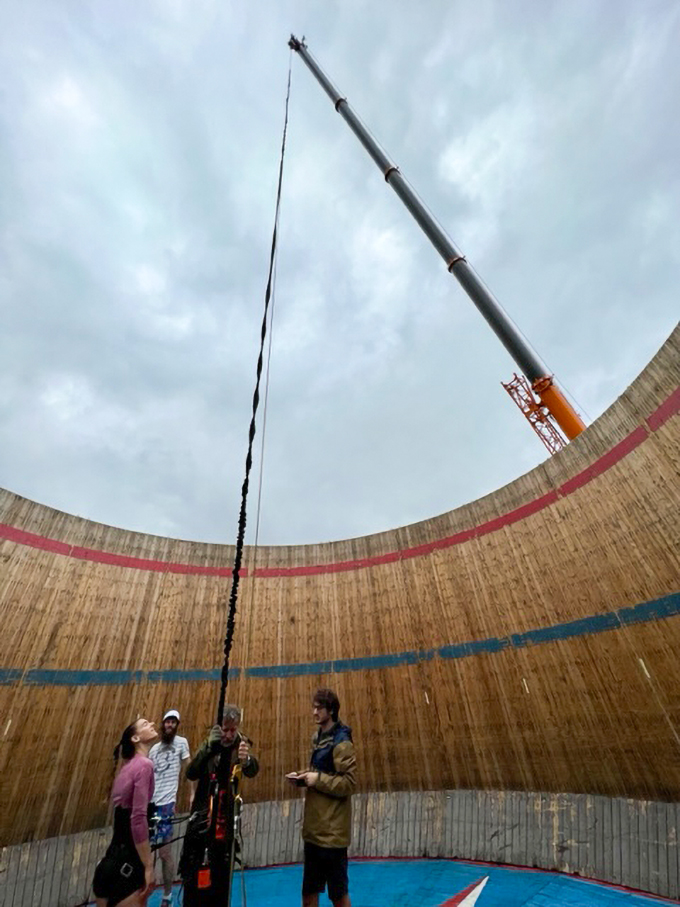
(327, 699)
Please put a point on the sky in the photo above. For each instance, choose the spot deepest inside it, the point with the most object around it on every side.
(139, 150)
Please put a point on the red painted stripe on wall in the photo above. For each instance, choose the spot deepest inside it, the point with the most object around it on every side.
(670, 407)
(606, 461)
(30, 540)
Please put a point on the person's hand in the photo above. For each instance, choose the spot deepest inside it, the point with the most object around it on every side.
(310, 778)
(215, 737)
(243, 752)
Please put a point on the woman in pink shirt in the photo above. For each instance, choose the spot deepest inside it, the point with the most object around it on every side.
(125, 876)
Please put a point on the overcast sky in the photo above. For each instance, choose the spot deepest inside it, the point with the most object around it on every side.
(139, 149)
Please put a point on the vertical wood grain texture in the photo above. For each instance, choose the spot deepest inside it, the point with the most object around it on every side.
(57, 872)
(592, 713)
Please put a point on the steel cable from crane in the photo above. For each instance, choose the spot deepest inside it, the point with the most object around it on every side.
(240, 536)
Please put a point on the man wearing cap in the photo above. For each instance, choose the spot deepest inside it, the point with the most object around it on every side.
(169, 756)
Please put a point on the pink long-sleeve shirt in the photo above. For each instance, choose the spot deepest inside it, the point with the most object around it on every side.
(133, 789)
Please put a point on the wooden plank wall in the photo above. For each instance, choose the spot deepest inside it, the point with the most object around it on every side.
(57, 872)
(625, 842)
(459, 703)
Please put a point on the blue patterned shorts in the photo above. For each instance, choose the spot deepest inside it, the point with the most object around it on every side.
(163, 825)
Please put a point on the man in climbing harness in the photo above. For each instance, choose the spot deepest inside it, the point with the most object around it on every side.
(327, 824)
(206, 864)
(169, 756)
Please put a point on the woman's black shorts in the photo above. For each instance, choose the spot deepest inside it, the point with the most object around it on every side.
(118, 874)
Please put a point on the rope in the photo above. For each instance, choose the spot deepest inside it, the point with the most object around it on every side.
(264, 420)
(238, 557)
(244, 902)
(265, 409)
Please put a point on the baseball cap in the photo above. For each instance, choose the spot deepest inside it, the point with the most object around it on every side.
(172, 713)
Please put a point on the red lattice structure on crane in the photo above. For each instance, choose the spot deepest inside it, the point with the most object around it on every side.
(536, 413)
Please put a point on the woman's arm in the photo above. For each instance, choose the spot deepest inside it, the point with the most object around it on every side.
(139, 824)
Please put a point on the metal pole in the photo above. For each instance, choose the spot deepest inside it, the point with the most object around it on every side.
(456, 263)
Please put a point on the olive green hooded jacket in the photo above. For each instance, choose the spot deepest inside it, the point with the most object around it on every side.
(328, 807)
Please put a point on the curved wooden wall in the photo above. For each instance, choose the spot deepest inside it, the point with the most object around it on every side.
(624, 842)
(526, 641)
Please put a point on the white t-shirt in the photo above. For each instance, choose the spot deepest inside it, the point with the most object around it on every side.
(167, 764)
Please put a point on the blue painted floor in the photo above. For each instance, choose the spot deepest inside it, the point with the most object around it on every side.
(430, 883)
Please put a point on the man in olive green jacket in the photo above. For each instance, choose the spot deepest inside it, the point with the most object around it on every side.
(327, 825)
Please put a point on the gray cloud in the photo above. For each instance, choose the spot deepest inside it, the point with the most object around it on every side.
(139, 149)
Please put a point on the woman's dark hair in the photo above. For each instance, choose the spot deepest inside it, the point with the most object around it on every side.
(327, 700)
(126, 748)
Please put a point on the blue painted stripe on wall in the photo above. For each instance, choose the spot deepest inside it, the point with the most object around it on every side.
(465, 649)
(57, 677)
(368, 663)
(599, 623)
(175, 675)
(668, 606)
(659, 609)
(48, 677)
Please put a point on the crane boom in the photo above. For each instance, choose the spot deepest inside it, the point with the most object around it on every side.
(456, 263)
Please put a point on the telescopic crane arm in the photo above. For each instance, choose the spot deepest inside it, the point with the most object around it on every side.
(542, 383)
